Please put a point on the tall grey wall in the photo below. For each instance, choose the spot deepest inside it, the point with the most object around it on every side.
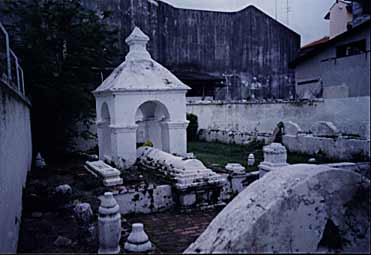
(15, 161)
(247, 43)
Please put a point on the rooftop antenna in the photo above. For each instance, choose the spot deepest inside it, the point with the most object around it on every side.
(228, 83)
(275, 8)
(288, 10)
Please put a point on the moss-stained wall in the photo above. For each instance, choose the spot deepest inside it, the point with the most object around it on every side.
(247, 43)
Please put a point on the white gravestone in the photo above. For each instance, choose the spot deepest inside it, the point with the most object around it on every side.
(40, 161)
(237, 175)
(251, 160)
(138, 241)
(275, 156)
(109, 225)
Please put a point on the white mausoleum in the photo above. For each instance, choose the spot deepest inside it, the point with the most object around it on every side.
(140, 101)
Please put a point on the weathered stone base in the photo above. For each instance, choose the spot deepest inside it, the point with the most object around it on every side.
(198, 197)
(335, 148)
(112, 181)
(144, 199)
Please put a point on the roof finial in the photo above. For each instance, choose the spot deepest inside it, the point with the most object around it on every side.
(137, 42)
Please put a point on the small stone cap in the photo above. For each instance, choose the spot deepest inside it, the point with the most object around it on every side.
(136, 36)
(137, 226)
(275, 148)
(234, 167)
(137, 235)
(251, 156)
(108, 201)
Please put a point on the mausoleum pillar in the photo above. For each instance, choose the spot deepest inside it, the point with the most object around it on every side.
(175, 137)
(100, 125)
(124, 145)
(104, 139)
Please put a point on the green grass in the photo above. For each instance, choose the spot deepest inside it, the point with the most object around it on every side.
(216, 155)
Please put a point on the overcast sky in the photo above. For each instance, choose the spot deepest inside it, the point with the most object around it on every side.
(305, 16)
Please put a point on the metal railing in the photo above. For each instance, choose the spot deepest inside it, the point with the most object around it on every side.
(10, 70)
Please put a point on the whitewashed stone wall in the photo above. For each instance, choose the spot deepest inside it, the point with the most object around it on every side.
(336, 148)
(15, 161)
(238, 122)
(350, 115)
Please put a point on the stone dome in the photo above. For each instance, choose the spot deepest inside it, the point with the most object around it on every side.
(139, 71)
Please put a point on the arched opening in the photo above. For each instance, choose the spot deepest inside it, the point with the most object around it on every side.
(106, 132)
(151, 117)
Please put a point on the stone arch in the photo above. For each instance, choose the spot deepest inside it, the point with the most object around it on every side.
(105, 122)
(105, 112)
(151, 117)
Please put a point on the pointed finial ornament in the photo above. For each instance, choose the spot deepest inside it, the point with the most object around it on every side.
(137, 42)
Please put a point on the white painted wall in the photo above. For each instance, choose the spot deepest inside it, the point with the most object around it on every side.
(351, 115)
(15, 161)
(339, 18)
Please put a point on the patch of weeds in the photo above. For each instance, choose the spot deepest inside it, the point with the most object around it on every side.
(359, 157)
(297, 158)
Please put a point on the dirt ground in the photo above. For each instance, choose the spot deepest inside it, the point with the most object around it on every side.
(45, 216)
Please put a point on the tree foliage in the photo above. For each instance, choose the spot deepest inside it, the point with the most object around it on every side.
(63, 47)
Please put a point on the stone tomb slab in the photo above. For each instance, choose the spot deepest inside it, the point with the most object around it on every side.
(110, 175)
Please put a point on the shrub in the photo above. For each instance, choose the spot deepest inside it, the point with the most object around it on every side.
(148, 143)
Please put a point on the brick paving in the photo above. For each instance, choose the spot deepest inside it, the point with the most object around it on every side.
(173, 232)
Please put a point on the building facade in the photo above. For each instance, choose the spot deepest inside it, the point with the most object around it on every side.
(338, 66)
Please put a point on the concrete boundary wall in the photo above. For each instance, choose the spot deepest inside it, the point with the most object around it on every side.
(350, 115)
(15, 162)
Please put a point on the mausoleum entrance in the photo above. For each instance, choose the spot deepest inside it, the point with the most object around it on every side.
(150, 119)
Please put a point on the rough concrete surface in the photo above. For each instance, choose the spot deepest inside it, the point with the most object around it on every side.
(15, 161)
(301, 208)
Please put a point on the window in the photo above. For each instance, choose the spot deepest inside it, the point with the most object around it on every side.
(308, 81)
(352, 48)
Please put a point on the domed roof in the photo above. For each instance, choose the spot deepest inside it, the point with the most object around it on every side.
(139, 71)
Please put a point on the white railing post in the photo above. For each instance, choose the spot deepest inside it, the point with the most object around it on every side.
(16, 69)
(22, 80)
(7, 50)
